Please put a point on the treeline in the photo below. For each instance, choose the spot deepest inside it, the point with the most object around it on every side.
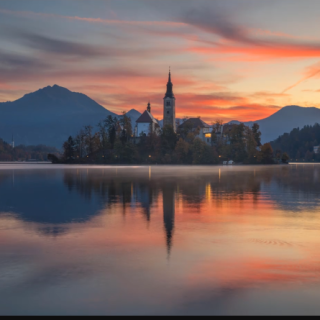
(114, 143)
(25, 153)
(299, 143)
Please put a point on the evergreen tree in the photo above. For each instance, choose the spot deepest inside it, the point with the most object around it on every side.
(183, 151)
(265, 156)
(69, 149)
(257, 134)
(168, 140)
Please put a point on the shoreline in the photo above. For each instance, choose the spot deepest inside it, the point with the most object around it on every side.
(151, 165)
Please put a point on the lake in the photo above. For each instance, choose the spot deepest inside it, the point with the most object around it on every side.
(160, 240)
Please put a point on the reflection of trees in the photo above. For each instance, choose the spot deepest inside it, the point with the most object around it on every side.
(113, 189)
(55, 198)
(230, 186)
(297, 188)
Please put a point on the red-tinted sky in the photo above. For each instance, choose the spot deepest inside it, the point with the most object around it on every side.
(230, 59)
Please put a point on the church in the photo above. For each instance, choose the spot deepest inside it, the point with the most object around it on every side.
(146, 123)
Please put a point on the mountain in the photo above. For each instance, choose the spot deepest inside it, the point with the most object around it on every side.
(284, 120)
(49, 116)
(134, 116)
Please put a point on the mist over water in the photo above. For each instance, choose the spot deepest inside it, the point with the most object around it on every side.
(159, 240)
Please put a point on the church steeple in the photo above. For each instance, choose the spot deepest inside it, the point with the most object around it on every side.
(169, 106)
(149, 107)
(169, 93)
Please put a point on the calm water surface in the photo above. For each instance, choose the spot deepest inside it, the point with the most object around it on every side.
(159, 240)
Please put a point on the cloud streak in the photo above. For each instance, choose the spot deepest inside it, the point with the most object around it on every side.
(311, 72)
(92, 20)
(122, 63)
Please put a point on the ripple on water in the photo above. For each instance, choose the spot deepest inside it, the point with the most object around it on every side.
(273, 242)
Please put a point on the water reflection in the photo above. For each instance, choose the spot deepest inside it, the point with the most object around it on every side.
(159, 240)
(168, 196)
(56, 198)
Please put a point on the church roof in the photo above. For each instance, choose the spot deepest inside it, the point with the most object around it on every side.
(196, 122)
(146, 117)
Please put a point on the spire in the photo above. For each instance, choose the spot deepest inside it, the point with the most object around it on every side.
(149, 107)
(169, 93)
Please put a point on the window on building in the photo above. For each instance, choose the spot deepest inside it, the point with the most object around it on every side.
(208, 135)
(168, 104)
(208, 140)
(168, 112)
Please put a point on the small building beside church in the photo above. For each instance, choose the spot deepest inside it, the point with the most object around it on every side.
(204, 129)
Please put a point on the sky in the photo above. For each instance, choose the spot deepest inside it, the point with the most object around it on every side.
(230, 59)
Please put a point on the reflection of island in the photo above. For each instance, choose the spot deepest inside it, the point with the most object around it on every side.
(55, 198)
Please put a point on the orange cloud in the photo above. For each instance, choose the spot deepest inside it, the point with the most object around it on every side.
(263, 52)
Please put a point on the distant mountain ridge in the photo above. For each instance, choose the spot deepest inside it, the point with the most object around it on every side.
(286, 119)
(49, 116)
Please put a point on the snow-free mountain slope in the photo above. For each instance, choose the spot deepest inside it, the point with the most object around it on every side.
(285, 120)
(49, 116)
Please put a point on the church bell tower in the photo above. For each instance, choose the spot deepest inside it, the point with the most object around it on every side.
(169, 106)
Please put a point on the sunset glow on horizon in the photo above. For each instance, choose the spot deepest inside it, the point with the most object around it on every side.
(230, 60)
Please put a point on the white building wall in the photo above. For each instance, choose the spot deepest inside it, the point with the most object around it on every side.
(143, 128)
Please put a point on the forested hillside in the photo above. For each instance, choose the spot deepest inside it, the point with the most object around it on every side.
(299, 143)
(25, 153)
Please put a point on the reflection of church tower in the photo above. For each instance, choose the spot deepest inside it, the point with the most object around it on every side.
(169, 106)
(168, 213)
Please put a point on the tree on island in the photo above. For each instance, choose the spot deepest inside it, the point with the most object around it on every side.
(285, 158)
(265, 156)
(113, 143)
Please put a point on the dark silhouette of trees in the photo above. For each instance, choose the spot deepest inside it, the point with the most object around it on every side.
(299, 143)
(69, 148)
(265, 156)
(256, 134)
(285, 158)
(25, 153)
(113, 143)
(53, 158)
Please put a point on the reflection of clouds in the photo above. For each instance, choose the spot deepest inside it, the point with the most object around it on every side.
(54, 198)
(236, 244)
(254, 272)
(218, 286)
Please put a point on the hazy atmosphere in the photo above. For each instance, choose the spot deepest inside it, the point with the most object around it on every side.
(159, 157)
(232, 60)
